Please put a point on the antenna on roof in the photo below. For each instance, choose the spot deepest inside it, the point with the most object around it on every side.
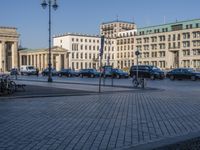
(176, 20)
(117, 18)
(133, 19)
(164, 20)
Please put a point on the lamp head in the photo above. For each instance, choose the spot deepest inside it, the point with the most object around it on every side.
(44, 4)
(55, 5)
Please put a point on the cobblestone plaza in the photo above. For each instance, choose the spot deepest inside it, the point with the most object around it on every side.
(118, 120)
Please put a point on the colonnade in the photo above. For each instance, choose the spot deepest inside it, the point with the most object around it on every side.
(40, 60)
(8, 55)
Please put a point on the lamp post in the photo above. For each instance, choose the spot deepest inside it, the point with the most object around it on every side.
(137, 53)
(53, 4)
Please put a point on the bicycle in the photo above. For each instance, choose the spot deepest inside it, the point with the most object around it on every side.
(139, 82)
(7, 85)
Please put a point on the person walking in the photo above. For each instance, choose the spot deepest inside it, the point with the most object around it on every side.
(37, 72)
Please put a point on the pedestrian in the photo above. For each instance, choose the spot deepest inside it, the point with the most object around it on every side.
(37, 72)
(16, 73)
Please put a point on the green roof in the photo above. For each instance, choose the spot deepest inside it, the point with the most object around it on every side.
(168, 27)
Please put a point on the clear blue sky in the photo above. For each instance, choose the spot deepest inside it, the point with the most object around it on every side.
(85, 16)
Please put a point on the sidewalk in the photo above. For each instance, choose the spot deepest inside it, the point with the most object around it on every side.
(118, 119)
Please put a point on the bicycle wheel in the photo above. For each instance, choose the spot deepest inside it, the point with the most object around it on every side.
(135, 83)
(141, 81)
(11, 87)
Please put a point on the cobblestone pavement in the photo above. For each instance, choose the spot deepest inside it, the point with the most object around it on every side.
(122, 120)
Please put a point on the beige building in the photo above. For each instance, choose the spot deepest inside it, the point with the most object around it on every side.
(166, 46)
(40, 57)
(111, 29)
(125, 49)
(8, 48)
(170, 45)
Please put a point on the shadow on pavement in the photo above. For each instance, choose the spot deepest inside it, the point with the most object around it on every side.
(40, 91)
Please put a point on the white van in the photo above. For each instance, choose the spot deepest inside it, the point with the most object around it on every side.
(28, 70)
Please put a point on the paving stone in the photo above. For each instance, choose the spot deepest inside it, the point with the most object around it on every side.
(105, 121)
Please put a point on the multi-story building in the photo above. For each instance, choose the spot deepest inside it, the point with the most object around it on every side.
(8, 48)
(170, 45)
(125, 48)
(84, 50)
(111, 29)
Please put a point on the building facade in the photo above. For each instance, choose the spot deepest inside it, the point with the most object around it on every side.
(8, 48)
(170, 45)
(39, 58)
(166, 46)
(84, 50)
(111, 29)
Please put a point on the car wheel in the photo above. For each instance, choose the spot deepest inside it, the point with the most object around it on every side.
(172, 77)
(118, 76)
(152, 77)
(193, 78)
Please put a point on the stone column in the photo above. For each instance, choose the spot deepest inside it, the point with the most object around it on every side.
(35, 63)
(20, 60)
(58, 61)
(52, 65)
(66, 65)
(42, 62)
(14, 55)
(45, 61)
(27, 63)
(3, 56)
(31, 60)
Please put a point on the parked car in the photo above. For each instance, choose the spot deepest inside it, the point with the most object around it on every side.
(107, 71)
(14, 71)
(67, 72)
(28, 70)
(147, 71)
(118, 73)
(45, 72)
(89, 73)
(183, 73)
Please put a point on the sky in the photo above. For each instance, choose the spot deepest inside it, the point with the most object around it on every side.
(85, 16)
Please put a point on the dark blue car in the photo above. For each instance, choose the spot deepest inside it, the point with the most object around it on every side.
(147, 71)
(118, 73)
(183, 73)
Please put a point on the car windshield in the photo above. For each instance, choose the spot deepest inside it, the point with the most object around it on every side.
(118, 70)
(30, 67)
(92, 70)
(191, 70)
(155, 68)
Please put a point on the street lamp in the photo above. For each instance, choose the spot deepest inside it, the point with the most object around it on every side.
(53, 4)
(137, 53)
